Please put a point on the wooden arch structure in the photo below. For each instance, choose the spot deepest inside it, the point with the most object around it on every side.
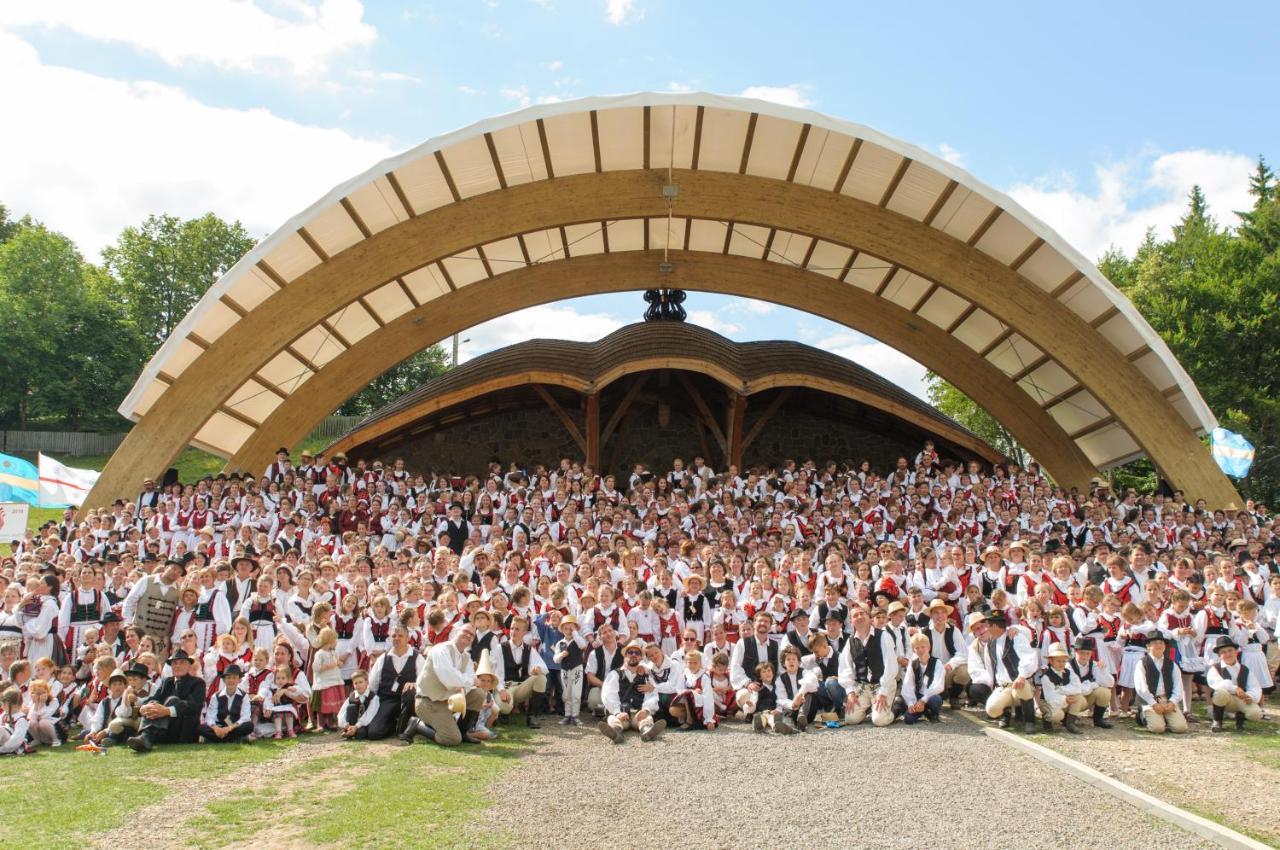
(742, 371)
(739, 197)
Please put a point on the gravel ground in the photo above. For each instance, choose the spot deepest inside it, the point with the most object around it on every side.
(732, 788)
(1198, 771)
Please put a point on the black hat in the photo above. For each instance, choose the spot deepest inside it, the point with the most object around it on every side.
(1085, 643)
(282, 451)
(232, 670)
(111, 617)
(253, 562)
(180, 655)
(137, 669)
(1225, 642)
(797, 614)
(834, 614)
(997, 619)
(1156, 636)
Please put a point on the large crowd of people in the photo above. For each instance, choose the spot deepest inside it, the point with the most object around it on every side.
(370, 601)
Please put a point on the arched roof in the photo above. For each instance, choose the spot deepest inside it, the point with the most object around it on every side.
(744, 368)
(804, 192)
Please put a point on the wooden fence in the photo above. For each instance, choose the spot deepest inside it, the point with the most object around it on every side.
(79, 444)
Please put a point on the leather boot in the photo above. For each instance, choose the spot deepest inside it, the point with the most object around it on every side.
(1005, 719)
(1069, 723)
(1028, 716)
(1100, 717)
(466, 723)
(1240, 720)
(531, 713)
(1218, 714)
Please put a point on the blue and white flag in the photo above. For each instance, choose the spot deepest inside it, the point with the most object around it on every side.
(1233, 453)
(19, 481)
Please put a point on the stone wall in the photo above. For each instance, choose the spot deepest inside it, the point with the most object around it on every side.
(536, 436)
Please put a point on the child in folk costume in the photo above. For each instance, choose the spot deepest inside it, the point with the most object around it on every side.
(259, 682)
(82, 609)
(668, 626)
(326, 673)
(1212, 622)
(345, 624)
(487, 717)
(570, 655)
(1056, 629)
(693, 706)
(1096, 681)
(1177, 624)
(375, 631)
(729, 616)
(1135, 632)
(644, 619)
(923, 683)
(14, 725)
(1158, 685)
(1063, 701)
(792, 691)
(768, 715)
(212, 615)
(260, 610)
(291, 696)
(1253, 638)
(722, 690)
(219, 658)
(41, 710)
(1233, 686)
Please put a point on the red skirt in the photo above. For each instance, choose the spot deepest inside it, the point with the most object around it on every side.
(332, 698)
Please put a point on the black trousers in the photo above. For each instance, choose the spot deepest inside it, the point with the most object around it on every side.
(979, 693)
(240, 731)
(392, 716)
(171, 730)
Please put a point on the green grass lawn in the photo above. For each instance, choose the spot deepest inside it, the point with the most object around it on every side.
(64, 798)
(58, 798)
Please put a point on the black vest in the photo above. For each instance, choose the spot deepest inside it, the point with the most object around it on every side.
(229, 708)
(614, 664)
(628, 694)
(480, 644)
(1087, 674)
(356, 707)
(924, 675)
(829, 666)
(390, 683)
(1155, 677)
(1242, 679)
(693, 608)
(510, 669)
(1059, 679)
(751, 657)
(948, 638)
(868, 659)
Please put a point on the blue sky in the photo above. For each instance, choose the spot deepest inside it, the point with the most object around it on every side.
(1097, 117)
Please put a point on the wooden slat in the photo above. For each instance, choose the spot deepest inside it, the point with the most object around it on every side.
(1060, 289)
(962, 318)
(624, 405)
(697, 139)
(199, 340)
(746, 144)
(997, 342)
(705, 412)
(595, 139)
(448, 177)
(302, 358)
(1106, 316)
(271, 388)
(275, 276)
(355, 218)
(1026, 254)
(1030, 367)
(444, 273)
(928, 293)
(1089, 429)
(335, 333)
(368, 308)
(893, 184)
(238, 416)
(313, 244)
(233, 305)
(728, 237)
(546, 149)
(493, 157)
(404, 199)
(756, 427)
(884, 281)
(848, 164)
(984, 227)
(484, 261)
(795, 157)
(941, 202)
(647, 133)
(408, 293)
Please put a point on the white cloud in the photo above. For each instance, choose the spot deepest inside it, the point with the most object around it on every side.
(792, 95)
(546, 321)
(555, 65)
(951, 155)
(1131, 197)
(679, 88)
(621, 12)
(172, 154)
(750, 305)
(385, 76)
(520, 94)
(888, 363)
(714, 322)
(236, 35)
(469, 90)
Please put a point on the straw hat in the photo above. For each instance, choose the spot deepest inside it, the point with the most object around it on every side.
(975, 618)
(1057, 650)
(895, 607)
(938, 604)
(458, 704)
(568, 620)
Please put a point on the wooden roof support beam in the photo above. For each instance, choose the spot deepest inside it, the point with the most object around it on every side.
(564, 417)
(756, 427)
(704, 412)
(624, 405)
(737, 413)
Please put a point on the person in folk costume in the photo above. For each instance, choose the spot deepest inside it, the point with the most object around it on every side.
(225, 653)
(227, 717)
(1056, 629)
(184, 621)
(894, 621)
(821, 666)
(260, 609)
(923, 683)
(39, 615)
(213, 614)
(359, 709)
(644, 620)
(1134, 634)
(1253, 637)
(1177, 624)
(570, 653)
(171, 714)
(785, 703)
(346, 622)
(947, 644)
(393, 676)
(446, 686)
(631, 698)
(1234, 687)
(748, 654)
(291, 697)
(1005, 664)
(992, 575)
(126, 720)
(868, 671)
(14, 725)
(1213, 621)
(259, 685)
(1063, 700)
(486, 635)
(1096, 680)
(241, 585)
(693, 705)
(1158, 685)
(799, 634)
(375, 631)
(729, 616)
(521, 675)
(82, 608)
(668, 625)
(695, 607)
(1121, 583)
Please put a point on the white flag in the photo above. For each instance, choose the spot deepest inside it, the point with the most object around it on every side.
(13, 520)
(61, 486)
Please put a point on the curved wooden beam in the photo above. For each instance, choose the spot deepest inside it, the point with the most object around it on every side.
(353, 441)
(1117, 383)
(857, 308)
